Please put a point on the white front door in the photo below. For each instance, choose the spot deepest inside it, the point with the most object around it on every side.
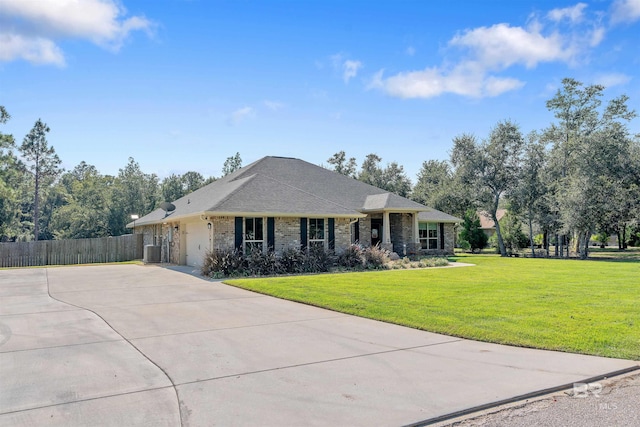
(197, 234)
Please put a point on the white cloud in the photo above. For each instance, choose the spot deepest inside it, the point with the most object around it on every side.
(597, 35)
(478, 56)
(35, 50)
(410, 51)
(501, 46)
(572, 14)
(347, 67)
(273, 105)
(464, 80)
(350, 69)
(625, 11)
(494, 86)
(38, 24)
(612, 79)
(240, 115)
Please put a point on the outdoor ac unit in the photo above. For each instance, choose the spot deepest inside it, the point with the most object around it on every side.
(151, 254)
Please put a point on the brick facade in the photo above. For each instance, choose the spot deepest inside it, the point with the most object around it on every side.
(170, 251)
(342, 234)
(449, 238)
(287, 235)
(364, 225)
(224, 233)
(401, 225)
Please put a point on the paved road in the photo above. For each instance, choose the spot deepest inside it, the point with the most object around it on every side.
(144, 345)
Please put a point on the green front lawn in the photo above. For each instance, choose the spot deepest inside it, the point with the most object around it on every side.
(590, 307)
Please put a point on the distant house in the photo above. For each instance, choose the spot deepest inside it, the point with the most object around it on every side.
(486, 223)
(277, 203)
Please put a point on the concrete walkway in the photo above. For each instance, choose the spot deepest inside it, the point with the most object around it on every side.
(134, 345)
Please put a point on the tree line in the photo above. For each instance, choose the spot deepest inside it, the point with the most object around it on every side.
(577, 177)
(41, 201)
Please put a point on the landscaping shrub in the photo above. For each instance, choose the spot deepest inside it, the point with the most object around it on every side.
(352, 258)
(292, 260)
(317, 260)
(263, 264)
(433, 262)
(463, 244)
(375, 258)
(221, 262)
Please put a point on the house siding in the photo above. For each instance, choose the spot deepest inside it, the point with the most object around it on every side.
(158, 235)
(365, 229)
(147, 234)
(401, 225)
(449, 237)
(173, 246)
(224, 232)
(287, 234)
(342, 234)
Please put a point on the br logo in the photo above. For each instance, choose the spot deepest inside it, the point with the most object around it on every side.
(582, 390)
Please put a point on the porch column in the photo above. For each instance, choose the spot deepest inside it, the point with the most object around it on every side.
(416, 229)
(386, 228)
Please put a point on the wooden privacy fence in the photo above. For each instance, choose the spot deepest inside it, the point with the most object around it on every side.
(72, 251)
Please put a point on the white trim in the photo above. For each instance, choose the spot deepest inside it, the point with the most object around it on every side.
(244, 232)
(428, 238)
(386, 228)
(310, 241)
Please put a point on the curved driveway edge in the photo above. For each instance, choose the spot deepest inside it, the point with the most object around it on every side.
(62, 365)
(239, 358)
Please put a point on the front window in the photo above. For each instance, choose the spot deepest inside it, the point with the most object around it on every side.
(428, 232)
(316, 232)
(253, 234)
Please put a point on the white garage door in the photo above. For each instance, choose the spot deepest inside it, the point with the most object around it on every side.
(197, 243)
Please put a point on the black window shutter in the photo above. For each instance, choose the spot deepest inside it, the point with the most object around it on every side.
(239, 233)
(356, 234)
(271, 233)
(441, 236)
(303, 233)
(331, 225)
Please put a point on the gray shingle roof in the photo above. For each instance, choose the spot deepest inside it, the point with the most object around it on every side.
(284, 186)
(378, 202)
(437, 216)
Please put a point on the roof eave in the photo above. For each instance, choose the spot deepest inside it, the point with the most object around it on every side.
(396, 210)
(287, 214)
(199, 215)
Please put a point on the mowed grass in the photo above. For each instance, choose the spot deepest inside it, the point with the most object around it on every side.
(589, 307)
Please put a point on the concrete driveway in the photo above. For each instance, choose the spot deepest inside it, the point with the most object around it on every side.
(145, 345)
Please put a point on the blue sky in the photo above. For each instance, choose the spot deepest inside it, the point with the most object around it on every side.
(182, 85)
